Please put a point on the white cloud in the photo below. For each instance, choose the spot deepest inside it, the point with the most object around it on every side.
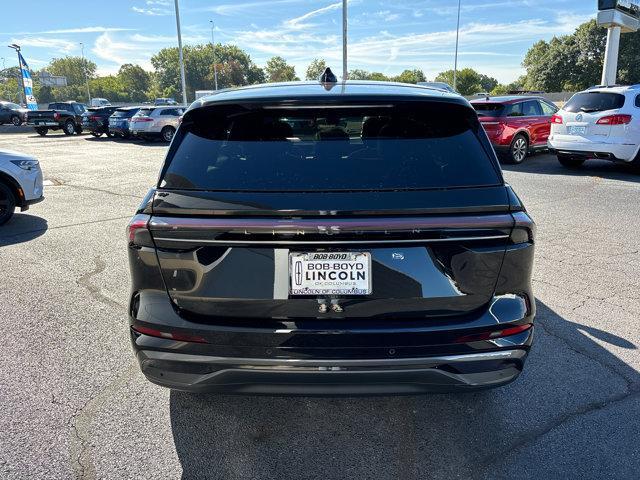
(153, 11)
(298, 22)
(88, 30)
(58, 44)
(120, 52)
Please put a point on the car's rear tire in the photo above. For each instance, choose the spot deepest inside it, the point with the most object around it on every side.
(7, 203)
(42, 131)
(167, 134)
(69, 127)
(16, 120)
(518, 150)
(570, 162)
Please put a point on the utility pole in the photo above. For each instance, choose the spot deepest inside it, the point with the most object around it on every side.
(345, 73)
(215, 60)
(455, 66)
(182, 78)
(86, 78)
(16, 47)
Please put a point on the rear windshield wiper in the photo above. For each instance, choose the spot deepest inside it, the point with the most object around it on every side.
(589, 110)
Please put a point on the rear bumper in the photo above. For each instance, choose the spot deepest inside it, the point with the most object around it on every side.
(601, 150)
(43, 123)
(199, 373)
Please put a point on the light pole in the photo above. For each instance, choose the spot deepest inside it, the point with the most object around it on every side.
(215, 61)
(344, 40)
(84, 70)
(16, 47)
(182, 78)
(455, 66)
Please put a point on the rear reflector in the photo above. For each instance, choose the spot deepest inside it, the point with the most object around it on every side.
(615, 120)
(179, 337)
(491, 335)
(556, 119)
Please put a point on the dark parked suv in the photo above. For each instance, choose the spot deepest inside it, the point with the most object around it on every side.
(315, 238)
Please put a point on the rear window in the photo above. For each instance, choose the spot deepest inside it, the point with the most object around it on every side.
(124, 113)
(144, 112)
(411, 146)
(594, 102)
(489, 109)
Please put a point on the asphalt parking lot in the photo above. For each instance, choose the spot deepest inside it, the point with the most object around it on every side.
(73, 403)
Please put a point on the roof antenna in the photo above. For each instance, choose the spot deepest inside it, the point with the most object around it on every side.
(328, 76)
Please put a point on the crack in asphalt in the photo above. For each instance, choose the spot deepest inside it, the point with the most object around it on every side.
(95, 291)
(101, 190)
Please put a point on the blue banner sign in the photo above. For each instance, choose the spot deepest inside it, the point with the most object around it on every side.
(32, 103)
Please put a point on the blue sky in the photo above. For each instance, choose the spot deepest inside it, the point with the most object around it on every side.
(385, 35)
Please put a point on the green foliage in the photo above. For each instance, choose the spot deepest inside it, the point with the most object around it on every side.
(235, 68)
(9, 84)
(469, 81)
(77, 70)
(359, 74)
(134, 81)
(278, 70)
(574, 62)
(315, 69)
(411, 76)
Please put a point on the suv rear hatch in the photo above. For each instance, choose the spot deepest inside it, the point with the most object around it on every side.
(387, 209)
(591, 115)
(491, 117)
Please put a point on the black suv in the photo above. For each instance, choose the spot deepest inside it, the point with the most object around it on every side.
(331, 238)
(96, 121)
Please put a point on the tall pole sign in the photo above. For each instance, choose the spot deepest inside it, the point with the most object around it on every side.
(619, 16)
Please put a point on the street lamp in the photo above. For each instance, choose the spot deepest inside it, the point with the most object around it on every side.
(84, 70)
(455, 67)
(16, 47)
(182, 79)
(215, 64)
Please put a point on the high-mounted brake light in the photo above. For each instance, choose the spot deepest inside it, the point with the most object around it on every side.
(492, 335)
(556, 119)
(137, 225)
(180, 337)
(619, 119)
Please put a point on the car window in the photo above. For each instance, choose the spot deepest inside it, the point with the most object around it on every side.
(408, 146)
(78, 108)
(638, 101)
(548, 109)
(489, 109)
(594, 102)
(144, 112)
(515, 110)
(531, 108)
(173, 112)
(12, 106)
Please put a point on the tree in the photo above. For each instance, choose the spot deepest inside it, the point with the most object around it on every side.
(235, 68)
(411, 76)
(315, 69)
(278, 70)
(77, 70)
(488, 83)
(359, 74)
(468, 82)
(135, 81)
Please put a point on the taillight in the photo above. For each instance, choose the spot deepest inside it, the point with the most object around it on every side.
(615, 120)
(180, 337)
(143, 119)
(56, 116)
(492, 335)
(94, 118)
(556, 119)
(138, 232)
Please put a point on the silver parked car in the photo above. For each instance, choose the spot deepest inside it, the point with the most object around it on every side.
(156, 122)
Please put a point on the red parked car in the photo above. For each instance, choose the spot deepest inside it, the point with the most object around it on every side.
(516, 125)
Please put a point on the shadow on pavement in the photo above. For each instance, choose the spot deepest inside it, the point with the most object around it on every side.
(548, 164)
(529, 429)
(135, 141)
(22, 228)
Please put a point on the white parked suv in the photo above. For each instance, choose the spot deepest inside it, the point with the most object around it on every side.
(158, 122)
(602, 122)
(20, 183)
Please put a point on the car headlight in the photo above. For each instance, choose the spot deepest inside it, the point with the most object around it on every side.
(25, 164)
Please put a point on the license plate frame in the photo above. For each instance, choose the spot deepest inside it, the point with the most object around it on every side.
(577, 130)
(332, 274)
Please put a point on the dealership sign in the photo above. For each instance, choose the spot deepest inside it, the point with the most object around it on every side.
(630, 7)
(619, 13)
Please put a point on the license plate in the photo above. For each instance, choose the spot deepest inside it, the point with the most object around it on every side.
(576, 130)
(330, 273)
